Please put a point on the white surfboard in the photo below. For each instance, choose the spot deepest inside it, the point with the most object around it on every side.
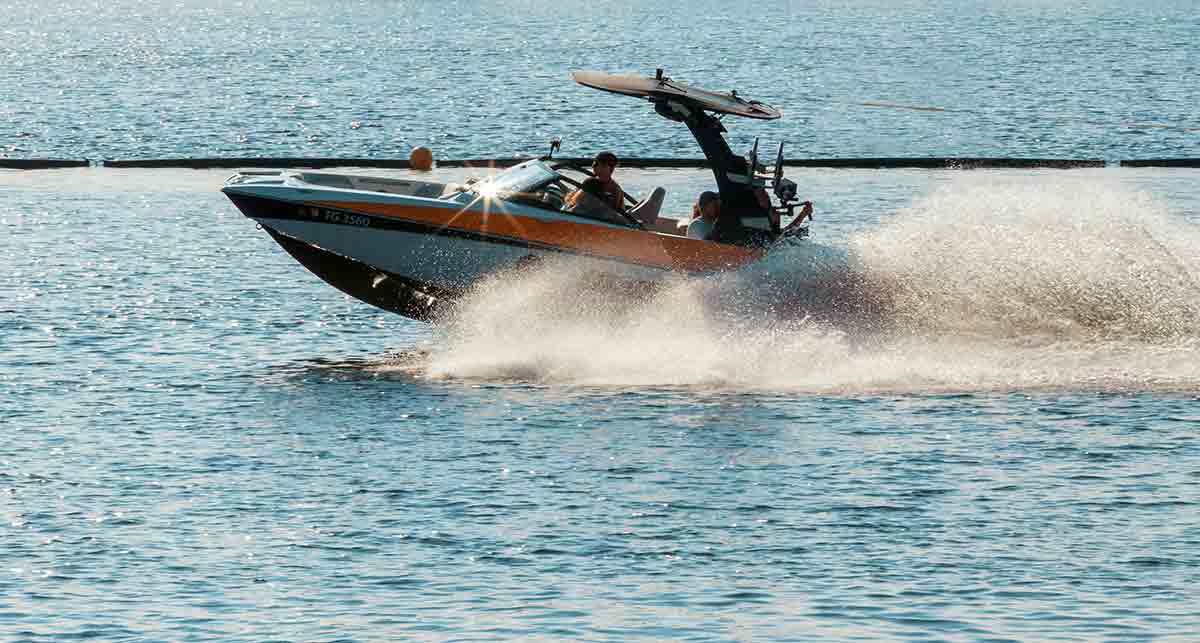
(646, 86)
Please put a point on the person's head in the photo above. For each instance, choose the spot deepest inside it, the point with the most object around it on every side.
(603, 165)
(708, 206)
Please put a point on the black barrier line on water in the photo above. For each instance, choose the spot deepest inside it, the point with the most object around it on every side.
(503, 162)
(40, 164)
(945, 163)
(642, 162)
(1161, 163)
(311, 163)
(277, 162)
(935, 163)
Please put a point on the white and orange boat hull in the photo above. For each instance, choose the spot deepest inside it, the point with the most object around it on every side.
(410, 246)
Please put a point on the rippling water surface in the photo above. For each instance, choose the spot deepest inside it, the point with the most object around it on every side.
(203, 442)
(147, 79)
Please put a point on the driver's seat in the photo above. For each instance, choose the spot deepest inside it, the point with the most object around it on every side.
(647, 210)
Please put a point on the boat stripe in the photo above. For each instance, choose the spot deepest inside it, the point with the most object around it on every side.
(621, 244)
(268, 209)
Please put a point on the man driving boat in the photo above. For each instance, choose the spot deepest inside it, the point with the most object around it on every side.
(587, 198)
(603, 166)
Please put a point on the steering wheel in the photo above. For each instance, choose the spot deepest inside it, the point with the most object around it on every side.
(553, 195)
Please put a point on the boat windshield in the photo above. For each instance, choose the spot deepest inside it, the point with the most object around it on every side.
(524, 178)
(534, 183)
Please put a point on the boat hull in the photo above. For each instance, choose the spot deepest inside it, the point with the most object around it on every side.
(380, 288)
(413, 255)
(405, 266)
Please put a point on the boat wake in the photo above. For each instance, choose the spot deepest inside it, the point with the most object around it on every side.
(987, 284)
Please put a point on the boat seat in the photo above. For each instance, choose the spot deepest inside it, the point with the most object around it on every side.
(667, 225)
(647, 210)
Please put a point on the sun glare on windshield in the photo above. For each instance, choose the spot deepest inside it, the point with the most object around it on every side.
(488, 189)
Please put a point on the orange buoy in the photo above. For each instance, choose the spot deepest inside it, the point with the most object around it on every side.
(421, 159)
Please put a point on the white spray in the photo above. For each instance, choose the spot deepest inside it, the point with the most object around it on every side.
(987, 284)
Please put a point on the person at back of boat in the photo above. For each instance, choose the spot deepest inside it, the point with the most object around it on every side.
(705, 213)
(740, 200)
(603, 166)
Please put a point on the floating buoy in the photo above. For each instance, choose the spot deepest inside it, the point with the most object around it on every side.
(421, 158)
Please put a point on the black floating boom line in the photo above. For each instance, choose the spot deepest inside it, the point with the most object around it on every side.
(40, 164)
(499, 162)
(271, 162)
(642, 162)
(1195, 162)
(944, 163)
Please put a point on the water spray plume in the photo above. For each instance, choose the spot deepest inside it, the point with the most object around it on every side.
(1060, 257)
(987, 284)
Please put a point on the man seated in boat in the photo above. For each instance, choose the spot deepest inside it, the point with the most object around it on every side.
(590, 201)
(603, 166)
(711, 221)
(705, 212)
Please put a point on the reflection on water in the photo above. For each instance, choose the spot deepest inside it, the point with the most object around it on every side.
(204, 441)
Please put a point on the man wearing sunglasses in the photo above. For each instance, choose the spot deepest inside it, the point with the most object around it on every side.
(603, 166)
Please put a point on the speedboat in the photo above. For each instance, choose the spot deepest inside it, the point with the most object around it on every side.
(411, 246)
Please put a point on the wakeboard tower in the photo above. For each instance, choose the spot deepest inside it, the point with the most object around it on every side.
(748, 214)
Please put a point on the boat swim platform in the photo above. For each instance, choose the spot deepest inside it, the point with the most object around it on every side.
(870, 163)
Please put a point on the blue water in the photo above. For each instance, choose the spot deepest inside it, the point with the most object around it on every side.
(147, 79)
(203, 442)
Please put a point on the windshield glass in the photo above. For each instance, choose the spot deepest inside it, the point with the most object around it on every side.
(526, 177)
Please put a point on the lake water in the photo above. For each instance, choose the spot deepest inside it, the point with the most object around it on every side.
(202, 441)
(146, 79)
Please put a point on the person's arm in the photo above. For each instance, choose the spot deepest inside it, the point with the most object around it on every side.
(620, 197)
(572, 199)
(764, 200)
